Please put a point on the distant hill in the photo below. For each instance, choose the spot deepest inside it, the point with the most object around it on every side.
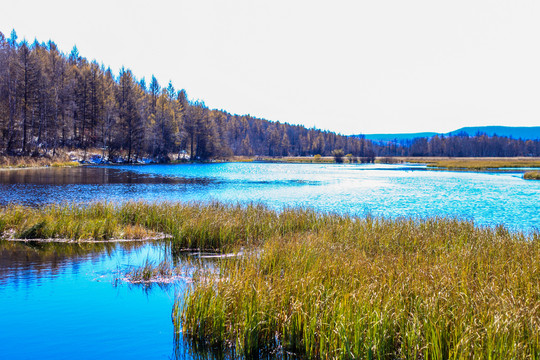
(516, 132)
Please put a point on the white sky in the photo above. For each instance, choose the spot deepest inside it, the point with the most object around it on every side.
(347, 66)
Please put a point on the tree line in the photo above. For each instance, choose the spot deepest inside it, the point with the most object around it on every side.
(50, 101)
(460, 145)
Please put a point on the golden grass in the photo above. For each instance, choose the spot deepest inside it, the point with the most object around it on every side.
(532, 175)
(469, 163)
(476, 163)
(94, 222)
(65, 164)
(374, 289)
(211, 226)
(299, 159)
(330, 286)
(14, 162)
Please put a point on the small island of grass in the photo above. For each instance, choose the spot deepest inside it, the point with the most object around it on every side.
(532, 175)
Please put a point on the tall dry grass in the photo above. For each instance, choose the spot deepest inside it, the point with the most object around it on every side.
(374, 289)
(61, 160)
(213, 226)
(331, 286)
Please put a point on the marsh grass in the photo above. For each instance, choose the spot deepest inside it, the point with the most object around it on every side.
(213, 226)
(374, 289)
(330, 286)
(299, 159)
(476, 163)
(65, 164)
(93, 222)
(150, 272)
(532, 175)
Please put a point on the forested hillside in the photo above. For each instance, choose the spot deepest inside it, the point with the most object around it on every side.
(50, 100)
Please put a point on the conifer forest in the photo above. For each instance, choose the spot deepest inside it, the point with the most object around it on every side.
(50, 100)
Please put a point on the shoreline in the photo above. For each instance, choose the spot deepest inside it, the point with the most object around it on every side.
(496, 164)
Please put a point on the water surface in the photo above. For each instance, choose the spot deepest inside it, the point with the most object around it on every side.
(62, 302)
(488, 198)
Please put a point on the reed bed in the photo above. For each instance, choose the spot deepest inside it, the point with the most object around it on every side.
(64, 222)
(298, 159)
(370, 288)
(329, 286)
(532, 175)
(211, 226)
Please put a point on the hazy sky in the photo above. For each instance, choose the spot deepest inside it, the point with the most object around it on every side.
(347, 66)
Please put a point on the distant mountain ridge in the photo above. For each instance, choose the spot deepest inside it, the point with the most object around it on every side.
(515, 132)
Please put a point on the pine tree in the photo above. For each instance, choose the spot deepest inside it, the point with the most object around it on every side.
(130, 124)
(27, 91)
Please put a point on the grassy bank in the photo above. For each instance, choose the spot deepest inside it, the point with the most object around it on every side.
(317, 159)
(475, 163)
(20, 162)
(532, 175)
(469, 163)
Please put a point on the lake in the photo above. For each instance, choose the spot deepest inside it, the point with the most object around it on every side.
(64, 301)
(488, 198)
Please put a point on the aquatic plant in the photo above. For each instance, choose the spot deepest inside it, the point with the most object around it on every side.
(150, 272)
(67, 222)
(210, 226)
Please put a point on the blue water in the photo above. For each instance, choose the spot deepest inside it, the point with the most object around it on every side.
(488, 198)
(56, 307)
(59, 304)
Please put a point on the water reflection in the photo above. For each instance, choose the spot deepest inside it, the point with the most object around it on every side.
(187, 349)
(66, 294)
(86, 184)
(29, 261)
(84, 175)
